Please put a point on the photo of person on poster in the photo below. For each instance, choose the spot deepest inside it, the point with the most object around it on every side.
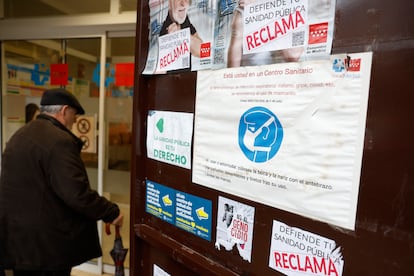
(202, 35)
(177, 19)
(235, 56)
(228, 214)
(235, 223)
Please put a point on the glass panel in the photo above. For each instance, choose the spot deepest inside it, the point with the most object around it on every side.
(119, 88)
(29, 65)
(82, 57)
(33, 8)
(36, 65)
(27, 76)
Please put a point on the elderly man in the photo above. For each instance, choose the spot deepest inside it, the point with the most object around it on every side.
(48, 211)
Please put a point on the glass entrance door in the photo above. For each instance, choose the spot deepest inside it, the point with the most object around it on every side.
(119, 87)
(31, 66)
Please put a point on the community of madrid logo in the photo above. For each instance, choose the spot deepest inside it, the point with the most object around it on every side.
(260, 134)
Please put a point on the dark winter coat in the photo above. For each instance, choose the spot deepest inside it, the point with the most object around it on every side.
(48, 211)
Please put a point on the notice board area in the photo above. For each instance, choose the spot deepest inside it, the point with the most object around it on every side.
(337, 202)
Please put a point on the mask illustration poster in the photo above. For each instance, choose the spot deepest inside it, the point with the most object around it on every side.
(235, 223)
(293, 137)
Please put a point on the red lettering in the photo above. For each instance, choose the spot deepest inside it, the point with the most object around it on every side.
(256, 39)
(185, 46)
(280, 28)
(299, 265)
(314, 265)
(271, 37)
(239, 230)
(288, 24)
(308, 264)
(290, 261)
(285, 260)
(319, 267)
(299, 19)
(332, 268)
(238, 234)
(277, 259)
(240, 225)
(249, 42)
(264, 39)
(174, 55)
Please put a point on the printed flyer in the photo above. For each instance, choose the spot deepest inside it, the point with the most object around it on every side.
(235, 222)
(193, 214)
(158, 271)
(259, 32)
(293, 137)
(230, 33)
(180, 35)
(283, 24)
(296, 252)
(187, 212)
(169, 137)
(179, 57)
(160, 201)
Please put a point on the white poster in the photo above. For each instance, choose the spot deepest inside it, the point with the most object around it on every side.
(158, 271)
(170, 48)
(283, 24)
(174, 51)
(296, 252)
(287, 135)
(274, 25)
(169, 137)
(235, 223)
(260, 32)
(230, 33)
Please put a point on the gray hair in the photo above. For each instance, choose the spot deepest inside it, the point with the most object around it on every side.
(52, 109)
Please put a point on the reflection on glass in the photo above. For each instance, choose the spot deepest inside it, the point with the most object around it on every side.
(83, 61)
(119, 86)
(74, 64)
(28, 75)
(119, 146)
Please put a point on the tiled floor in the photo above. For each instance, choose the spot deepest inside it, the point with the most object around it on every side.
(82, 273)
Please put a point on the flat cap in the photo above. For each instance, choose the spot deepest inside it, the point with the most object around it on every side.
(60, 96)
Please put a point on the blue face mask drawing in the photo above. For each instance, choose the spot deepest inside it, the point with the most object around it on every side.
(259, 132)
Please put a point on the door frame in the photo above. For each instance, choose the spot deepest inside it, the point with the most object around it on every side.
(100, 25)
